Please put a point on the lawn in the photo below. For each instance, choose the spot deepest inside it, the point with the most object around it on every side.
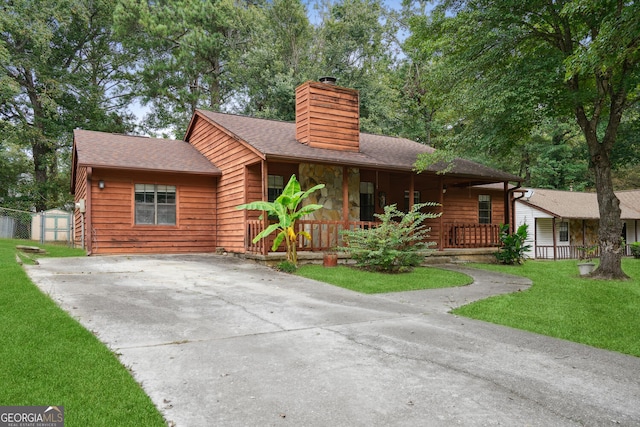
(368, 282)
(604, 314)
(560, 303)
(48, 358)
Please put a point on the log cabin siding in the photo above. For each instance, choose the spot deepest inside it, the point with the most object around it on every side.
(114, 231)
(230, 156)
(253, 189)
(78, 217)
(461, 205)
(327, 117)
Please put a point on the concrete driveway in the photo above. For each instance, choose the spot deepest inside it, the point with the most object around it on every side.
(220, 341)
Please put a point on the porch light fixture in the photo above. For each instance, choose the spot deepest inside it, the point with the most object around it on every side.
(444, 189)
(101, 184)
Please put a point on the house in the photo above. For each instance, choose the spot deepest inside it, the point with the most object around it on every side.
(136, 194)
(563, 222)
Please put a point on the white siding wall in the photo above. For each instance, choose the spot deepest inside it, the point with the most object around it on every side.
(540, 228)
(525, 214)
(631, 230)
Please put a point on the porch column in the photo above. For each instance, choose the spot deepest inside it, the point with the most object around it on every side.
(412, 188)
(553, 230)
(507, 216)
(535, 238)
(440, 221)
(345, 197)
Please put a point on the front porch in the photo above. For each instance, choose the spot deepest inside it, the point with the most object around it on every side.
(569, 252)
(327, 236)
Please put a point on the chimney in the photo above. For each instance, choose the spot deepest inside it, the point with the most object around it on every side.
(327, 116)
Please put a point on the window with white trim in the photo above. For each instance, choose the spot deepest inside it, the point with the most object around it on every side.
(155, 204)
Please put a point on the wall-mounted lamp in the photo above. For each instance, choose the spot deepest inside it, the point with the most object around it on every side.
(444, 189)
(101, 184)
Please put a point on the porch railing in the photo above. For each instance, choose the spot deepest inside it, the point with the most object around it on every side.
(563, 252)
(325, 235)
(471, 235)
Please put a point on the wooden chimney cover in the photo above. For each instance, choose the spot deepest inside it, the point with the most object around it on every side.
(327, 116)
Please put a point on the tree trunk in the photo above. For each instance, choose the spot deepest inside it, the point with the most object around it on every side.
(610, 225)
(40, 150)
(39, 153)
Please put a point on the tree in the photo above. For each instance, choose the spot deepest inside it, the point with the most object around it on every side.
(286, 208)
(355, 42)
(185, 48)
(278, 59)
(518, 62)
(59, 69)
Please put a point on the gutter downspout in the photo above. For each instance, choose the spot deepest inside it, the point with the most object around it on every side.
(512, 203)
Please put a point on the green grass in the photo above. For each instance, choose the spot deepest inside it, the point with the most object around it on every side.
(56, 250)
(48, 358)
(561, 304)
(368, 282)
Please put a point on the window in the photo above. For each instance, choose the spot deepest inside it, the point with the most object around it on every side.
(155, 204)
(367, 202)
(563, 231)
(275, 187)
(416, 199)
(484, 209)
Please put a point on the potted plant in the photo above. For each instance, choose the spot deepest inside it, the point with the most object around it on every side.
(330, 259)
(635, 249)
(586, 264)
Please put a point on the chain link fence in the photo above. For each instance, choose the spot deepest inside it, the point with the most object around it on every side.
(15, 224)
(48, 226)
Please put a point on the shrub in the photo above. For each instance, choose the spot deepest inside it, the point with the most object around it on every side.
(635, 249)
(513, 245)
(397, 244)
(287, 267)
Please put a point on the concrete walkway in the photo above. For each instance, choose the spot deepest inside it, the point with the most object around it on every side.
(219, 341)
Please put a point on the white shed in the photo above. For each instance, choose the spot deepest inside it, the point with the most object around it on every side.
(51, 226)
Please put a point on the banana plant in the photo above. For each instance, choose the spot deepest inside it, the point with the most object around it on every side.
(285, 208)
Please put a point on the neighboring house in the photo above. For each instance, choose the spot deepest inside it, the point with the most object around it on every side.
(139, 194)
(562, 222)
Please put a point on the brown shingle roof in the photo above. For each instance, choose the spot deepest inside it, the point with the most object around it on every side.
(578, 205)
(101, 149)
(276, 140)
